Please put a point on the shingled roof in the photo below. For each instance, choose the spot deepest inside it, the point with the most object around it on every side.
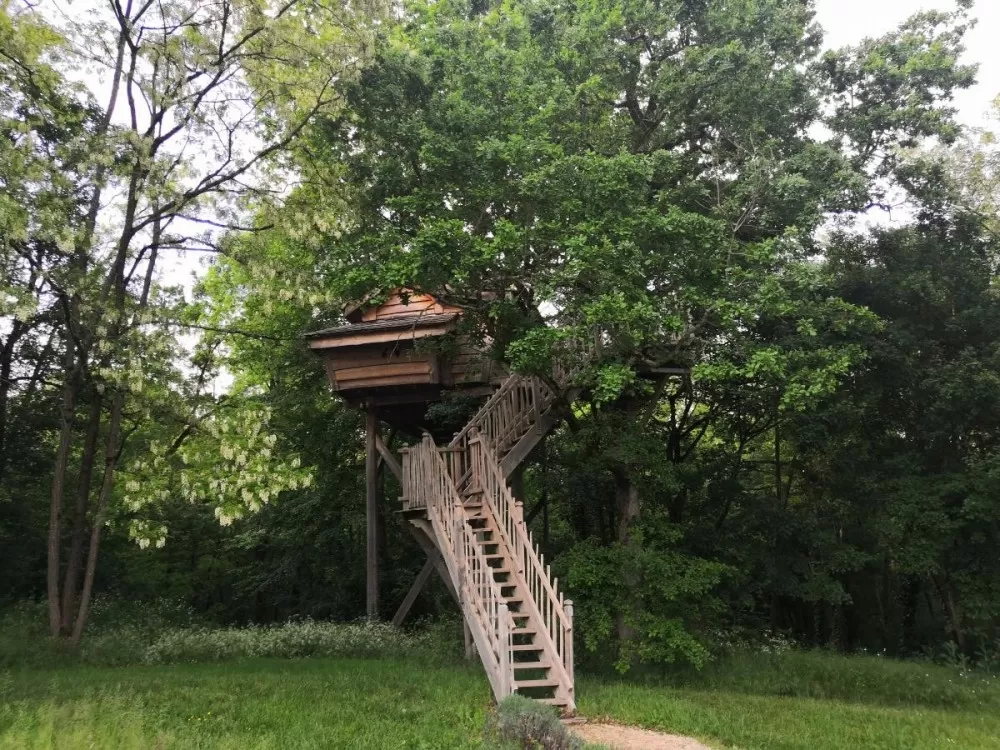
(388, 324)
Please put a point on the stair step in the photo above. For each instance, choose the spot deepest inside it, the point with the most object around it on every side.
(536, 683)
(526, 647)
(531, 665)
(553, 701)
(524, 631)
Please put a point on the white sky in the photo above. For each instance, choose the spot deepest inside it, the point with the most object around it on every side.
(850, 21)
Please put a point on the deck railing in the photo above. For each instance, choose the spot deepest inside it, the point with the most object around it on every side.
(551, 609)
(427, 483)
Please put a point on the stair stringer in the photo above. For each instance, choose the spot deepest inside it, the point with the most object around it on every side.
(523, 448)
(495, 664)
(513, 421)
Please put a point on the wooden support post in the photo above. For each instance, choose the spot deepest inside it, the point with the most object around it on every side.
(413, 593)
(470, 644)
(516, 483)
(371, 513)
(539, 506)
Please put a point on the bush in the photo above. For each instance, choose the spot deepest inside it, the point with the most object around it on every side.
(523, 723)
(164, 633)
(300, 639)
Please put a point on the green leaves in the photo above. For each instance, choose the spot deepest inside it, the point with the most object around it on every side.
(893, 92)
(674, 591)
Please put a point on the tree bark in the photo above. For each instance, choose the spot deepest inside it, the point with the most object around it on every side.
(946, 591)
(627, 507)
(71, 580)
(371, 515)
(58, 485)
(6, 363)
(111, 453)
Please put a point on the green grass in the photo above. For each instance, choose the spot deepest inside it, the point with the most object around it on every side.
(805, 701)
(323, 703)
(809, 701)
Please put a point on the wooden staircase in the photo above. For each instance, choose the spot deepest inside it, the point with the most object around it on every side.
(521, 625)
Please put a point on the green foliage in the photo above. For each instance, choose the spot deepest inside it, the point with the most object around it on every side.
(670, 601)
(783, 423)
(526, 724)
(167, 633)
(292, 640)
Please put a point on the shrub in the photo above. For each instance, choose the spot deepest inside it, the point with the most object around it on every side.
(523, 723)
(163, 633)
(304, 638)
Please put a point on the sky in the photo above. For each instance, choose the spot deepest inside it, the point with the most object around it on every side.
(850, 21)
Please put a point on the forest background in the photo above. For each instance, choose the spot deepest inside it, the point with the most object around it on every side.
(812, 232)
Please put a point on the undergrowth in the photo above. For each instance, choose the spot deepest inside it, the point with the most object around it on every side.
(168, 634)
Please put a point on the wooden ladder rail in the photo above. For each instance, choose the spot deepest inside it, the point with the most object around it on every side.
(544, 601)
(428, 484)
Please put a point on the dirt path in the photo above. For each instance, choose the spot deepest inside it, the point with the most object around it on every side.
(631, 738)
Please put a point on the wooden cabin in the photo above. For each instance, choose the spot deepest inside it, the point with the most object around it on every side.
(399, 356)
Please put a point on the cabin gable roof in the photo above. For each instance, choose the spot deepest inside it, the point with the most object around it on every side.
(399, 303)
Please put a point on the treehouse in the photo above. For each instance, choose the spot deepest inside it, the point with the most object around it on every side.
(395, 359)
(398, 357)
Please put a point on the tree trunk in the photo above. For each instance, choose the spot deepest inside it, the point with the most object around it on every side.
(111, 454)
(71, 581)
(58, 485)
(6, 361)
(946, 591)
(627, 507)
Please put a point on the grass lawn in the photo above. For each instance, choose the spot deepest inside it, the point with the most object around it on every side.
(810, 701)
(805, 701)
(322, 703)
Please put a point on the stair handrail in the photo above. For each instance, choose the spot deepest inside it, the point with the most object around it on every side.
(483, 606)
(503, 419)
(553, 611)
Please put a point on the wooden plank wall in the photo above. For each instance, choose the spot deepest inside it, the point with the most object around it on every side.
(380, 365)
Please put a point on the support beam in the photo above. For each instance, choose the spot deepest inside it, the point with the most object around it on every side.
(371, 513)
(413, 593)
(510, 463)
(390, 460)
(422, 532)
(470, 644)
